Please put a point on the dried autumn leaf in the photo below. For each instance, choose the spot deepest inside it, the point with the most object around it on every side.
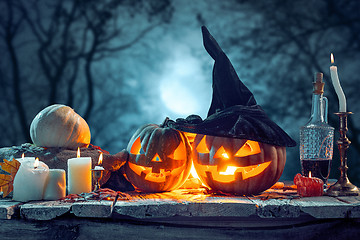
(6, 180)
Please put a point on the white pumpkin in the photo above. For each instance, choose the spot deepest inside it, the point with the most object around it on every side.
(59, 126)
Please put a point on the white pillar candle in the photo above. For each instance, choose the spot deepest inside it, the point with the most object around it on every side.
(337, 86)
(55, 187)
(79, 175)
(29, 181)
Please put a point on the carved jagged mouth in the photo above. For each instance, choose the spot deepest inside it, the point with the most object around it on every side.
(147, 173)
(233, 173)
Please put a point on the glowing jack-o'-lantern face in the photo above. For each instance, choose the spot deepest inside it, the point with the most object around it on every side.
(159, 159)
(237, 165)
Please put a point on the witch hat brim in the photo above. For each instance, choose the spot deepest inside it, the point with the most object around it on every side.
(233, 112)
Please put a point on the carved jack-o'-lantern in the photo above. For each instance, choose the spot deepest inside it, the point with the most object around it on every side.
(237, 165)
(159, 158)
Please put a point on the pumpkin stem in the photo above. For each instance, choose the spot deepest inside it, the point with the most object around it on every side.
(165, 122)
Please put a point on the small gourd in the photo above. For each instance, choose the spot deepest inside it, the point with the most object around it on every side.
(59, 126)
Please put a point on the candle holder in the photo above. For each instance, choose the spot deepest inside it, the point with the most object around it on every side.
(97, 174)
(343, 187)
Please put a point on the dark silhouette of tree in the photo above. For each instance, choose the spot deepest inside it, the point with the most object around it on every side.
(10, 25)
(65, 40)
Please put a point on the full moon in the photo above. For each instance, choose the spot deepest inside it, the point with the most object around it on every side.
(184, 89)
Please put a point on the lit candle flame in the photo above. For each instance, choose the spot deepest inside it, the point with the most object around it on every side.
(332, 58)
(100, 159)
(225, 155)
(36, 163)
(309, 174)
(78, 153)
(23, 156)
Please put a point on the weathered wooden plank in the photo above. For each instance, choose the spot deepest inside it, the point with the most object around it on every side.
(276, 208)
(83, 229)
(44, 210)
(354, 212)
(184, 203)
(8, 209)
(323, 207)
(161, 209)
(93, 209)
(350, 199)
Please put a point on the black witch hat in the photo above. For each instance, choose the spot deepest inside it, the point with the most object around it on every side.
(233, 112)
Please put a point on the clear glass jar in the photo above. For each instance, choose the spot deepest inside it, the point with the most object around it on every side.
(317, 136)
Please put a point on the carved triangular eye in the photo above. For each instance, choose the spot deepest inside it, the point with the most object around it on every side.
(136, 147)
(221, 153)
(179, 153)
(156, 158)
(249, 148)
(202, 148)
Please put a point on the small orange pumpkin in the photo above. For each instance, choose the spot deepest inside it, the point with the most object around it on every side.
(237, 165)
(159, 158)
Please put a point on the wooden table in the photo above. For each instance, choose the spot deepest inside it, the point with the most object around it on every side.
(186, 214)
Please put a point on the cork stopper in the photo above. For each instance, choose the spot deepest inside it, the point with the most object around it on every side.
(318, 84)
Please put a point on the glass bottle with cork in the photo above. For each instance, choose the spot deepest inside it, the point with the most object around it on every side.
(317, 136)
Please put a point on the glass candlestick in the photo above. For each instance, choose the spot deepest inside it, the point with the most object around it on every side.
(97, 174)
(343, 187)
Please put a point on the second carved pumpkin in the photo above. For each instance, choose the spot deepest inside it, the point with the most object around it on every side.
(237, 165)
(159, 158)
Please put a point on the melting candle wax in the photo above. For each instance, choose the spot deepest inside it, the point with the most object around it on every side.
(309, 186)
(30, 180)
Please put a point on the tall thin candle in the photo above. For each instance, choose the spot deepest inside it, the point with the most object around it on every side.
(337, 86)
